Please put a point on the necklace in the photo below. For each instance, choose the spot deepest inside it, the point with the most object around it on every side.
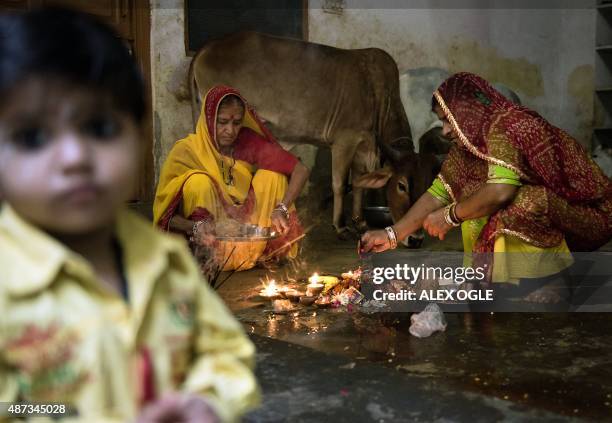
(229, 179)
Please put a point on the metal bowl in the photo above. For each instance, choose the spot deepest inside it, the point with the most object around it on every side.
(377, 216)
(256, 231)
(250, 233)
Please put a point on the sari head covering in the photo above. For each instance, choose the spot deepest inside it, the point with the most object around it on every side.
(493, 130)
(199, 154)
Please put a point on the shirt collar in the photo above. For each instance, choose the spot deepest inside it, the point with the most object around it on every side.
(34, 258)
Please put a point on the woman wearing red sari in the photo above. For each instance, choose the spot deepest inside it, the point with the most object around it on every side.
(231, 170)
(514, 182)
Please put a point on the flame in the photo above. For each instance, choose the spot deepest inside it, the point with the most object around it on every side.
(314, 279)
(270, 289)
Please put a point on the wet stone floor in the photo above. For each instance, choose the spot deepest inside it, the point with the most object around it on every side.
(317, 364)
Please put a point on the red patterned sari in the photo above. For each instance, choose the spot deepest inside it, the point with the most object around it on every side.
(564, 194)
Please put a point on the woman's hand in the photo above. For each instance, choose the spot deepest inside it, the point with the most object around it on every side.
(435, 225)
(186, 408)
(375, 241)
(280, 223)
(203, 234)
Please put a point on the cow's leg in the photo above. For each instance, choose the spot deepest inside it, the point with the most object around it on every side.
(365, 161)
(343, 151)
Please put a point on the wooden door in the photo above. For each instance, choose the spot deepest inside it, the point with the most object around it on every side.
(131, 21)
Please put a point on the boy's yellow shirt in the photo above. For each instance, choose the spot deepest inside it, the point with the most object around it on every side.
(66, 338)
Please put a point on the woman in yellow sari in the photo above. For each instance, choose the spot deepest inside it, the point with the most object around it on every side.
(231, 171)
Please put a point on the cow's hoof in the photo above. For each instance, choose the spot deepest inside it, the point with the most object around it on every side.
(414, 242)
(345, 234)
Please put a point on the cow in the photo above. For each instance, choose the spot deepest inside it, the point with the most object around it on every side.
(347, 100)
(405, 176)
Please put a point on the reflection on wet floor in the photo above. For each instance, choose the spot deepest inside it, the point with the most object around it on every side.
(557, 362)
(561, 363)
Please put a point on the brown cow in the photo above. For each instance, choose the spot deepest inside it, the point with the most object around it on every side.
(310, 93)
(406, 176)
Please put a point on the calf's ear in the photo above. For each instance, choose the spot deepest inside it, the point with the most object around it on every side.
(376, 179)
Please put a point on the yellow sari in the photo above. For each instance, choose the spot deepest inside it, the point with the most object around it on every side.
(197, 181)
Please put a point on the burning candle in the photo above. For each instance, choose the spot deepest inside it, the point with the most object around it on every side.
(269, 290)
(319, 284)
(315, 287)
(314, 279)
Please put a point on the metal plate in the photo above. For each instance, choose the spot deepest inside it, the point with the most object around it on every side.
(246, 238)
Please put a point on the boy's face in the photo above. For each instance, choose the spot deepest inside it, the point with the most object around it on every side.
(68, 159)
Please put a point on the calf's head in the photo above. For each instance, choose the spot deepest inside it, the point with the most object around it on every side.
(405, 177)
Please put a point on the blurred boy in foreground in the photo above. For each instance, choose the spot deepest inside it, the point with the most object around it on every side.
(98, 311)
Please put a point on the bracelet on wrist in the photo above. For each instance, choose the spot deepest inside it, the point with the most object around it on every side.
(196, 226)
(447, 216)
(281, 207)
(392, 235)
(453, 214)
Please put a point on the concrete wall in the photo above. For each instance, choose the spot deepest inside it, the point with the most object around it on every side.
(169, 67)
(547, 56)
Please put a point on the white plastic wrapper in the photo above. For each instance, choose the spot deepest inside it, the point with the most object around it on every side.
(430, 320)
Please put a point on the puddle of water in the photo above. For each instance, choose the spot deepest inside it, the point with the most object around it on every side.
(561, 363)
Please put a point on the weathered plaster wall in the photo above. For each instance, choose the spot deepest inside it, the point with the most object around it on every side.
(169, 68)
(546, 56)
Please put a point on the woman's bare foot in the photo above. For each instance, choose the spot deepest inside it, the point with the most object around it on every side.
(551, 293)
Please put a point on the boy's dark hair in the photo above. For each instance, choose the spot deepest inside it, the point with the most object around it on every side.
(70, 45)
